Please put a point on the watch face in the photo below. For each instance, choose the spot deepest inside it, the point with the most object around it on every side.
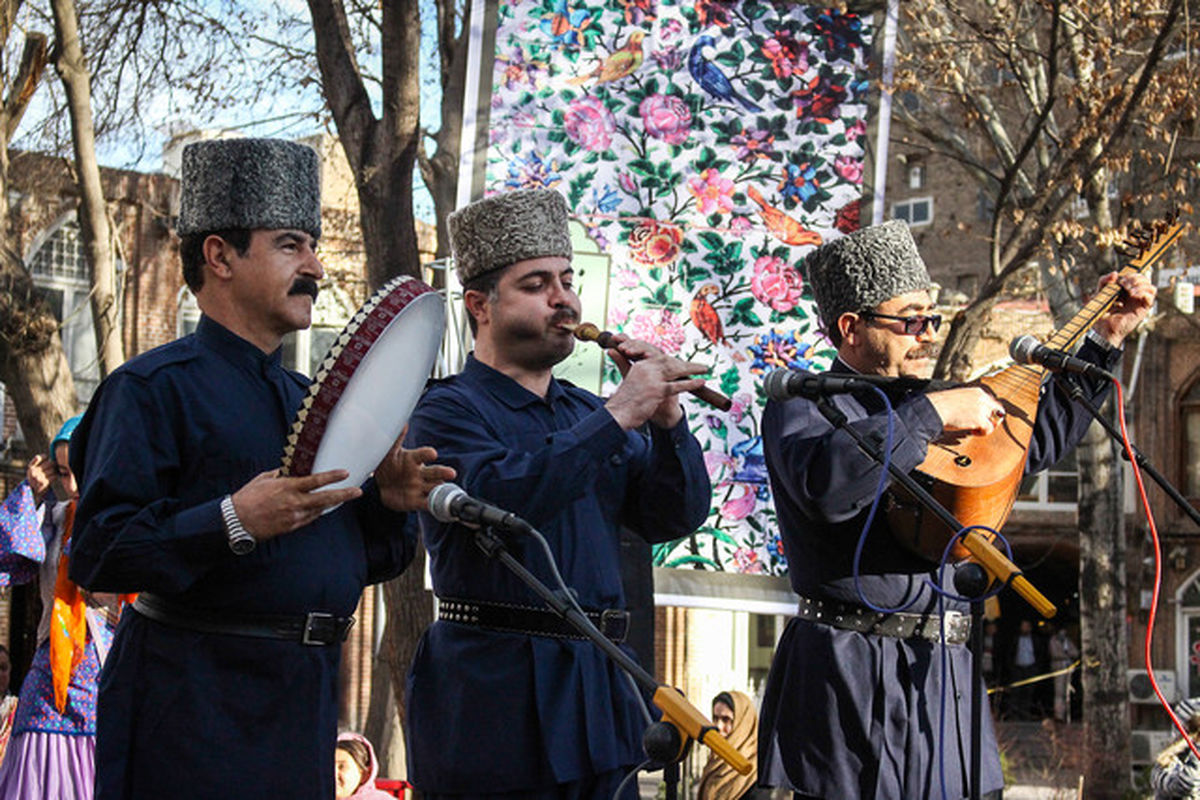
(242, 546)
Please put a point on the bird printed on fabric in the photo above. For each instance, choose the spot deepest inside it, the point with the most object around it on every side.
(780, 225)
(620, 64)
(705, 317)
(710, 77)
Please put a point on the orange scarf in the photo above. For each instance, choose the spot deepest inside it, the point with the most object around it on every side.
(68, 625)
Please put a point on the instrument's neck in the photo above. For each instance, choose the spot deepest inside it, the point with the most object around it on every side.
(1066, 337)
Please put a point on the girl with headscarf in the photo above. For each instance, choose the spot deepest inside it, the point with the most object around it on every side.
(52, 750)
(737, 720)
(356, 769)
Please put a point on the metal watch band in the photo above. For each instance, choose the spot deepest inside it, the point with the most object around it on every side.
(240, 540)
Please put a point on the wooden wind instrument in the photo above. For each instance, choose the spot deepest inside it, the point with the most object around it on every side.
(587, 332)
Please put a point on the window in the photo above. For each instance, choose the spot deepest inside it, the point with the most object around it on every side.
(916, 176)
(60, 272)
(304, 350)
(985, 205)
(187, 316)
(1080, 208)
(1189, 410)
(1054, 489)
(916, 212)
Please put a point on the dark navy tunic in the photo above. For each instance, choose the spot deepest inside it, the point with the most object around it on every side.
(503, 712)
(193, 715)
(848, 715)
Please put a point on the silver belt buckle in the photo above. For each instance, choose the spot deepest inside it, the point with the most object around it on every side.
(318, 623)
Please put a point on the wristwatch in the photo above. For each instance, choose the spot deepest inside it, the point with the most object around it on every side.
(240, 540)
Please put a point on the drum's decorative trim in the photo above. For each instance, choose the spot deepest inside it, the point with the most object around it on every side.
(338, 367)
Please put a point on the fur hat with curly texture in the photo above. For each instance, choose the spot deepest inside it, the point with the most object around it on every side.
(864, 268)
(249, 184)
(503, 229)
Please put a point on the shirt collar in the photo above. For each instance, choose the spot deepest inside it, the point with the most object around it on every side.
(508, 390)
(225, 342)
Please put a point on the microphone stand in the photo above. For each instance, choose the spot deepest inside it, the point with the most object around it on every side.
(665, 742)
(970, 580)
(1076, 393)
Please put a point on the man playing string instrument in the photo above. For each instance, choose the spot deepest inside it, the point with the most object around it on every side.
(851, 708)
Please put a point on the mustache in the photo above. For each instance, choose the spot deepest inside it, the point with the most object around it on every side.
(566, 315)
(304, 285)
(921, 352)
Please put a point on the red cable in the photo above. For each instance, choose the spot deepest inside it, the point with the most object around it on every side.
(1137, 474)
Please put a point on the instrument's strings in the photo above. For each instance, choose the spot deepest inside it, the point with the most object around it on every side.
(1019, 376)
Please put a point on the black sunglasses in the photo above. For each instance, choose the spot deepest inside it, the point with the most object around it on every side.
(913, 326)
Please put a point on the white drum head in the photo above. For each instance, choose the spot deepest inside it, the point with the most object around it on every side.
(368, 384)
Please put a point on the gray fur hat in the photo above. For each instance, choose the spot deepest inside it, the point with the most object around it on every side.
(860, 270)
(501, 230)
(249, 184)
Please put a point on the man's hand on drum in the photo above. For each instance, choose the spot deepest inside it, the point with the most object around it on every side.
(650, 384)
(406, 477)
(271, 504)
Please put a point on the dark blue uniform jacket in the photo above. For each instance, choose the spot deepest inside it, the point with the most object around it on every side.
(194, 715)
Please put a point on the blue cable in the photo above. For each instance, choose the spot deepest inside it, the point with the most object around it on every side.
(942, 594)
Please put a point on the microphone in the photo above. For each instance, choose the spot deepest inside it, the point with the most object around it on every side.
(783, 384)
(1028, 350)
(449, 503)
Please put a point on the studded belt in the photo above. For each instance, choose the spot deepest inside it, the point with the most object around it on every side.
(898, 625)
(315, 628)
(529, 620)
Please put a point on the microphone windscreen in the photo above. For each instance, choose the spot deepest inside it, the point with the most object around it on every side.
(775, 385)
(441, 500)
(1022, 348)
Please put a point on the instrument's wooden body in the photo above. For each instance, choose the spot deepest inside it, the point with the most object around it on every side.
(977, 477)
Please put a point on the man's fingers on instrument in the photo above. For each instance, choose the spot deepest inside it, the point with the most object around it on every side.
(684, 385)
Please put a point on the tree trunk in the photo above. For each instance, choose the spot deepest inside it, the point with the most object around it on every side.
(33, 366)
(382, 155)
(93, 212)
(956, 360)
(1102, 618)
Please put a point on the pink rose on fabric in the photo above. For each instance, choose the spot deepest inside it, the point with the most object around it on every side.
(712, 191)
(776, 283)
(660, 328)
(747, 561)
(628, 279)
(627, 183)
(849, 169)
(589, 124)
(617, 317)
(666, 118)
(740, 224)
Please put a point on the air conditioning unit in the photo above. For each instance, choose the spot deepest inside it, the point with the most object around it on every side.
(1140, 690)
(1144, 746)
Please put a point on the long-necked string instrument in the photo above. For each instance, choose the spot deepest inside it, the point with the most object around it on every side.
(587, 332)
(977, 477)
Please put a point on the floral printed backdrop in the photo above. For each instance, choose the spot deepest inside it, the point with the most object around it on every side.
(707, 146)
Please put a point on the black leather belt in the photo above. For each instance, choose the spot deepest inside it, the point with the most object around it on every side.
(898, 625)
(315, 628)
(612, 622)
